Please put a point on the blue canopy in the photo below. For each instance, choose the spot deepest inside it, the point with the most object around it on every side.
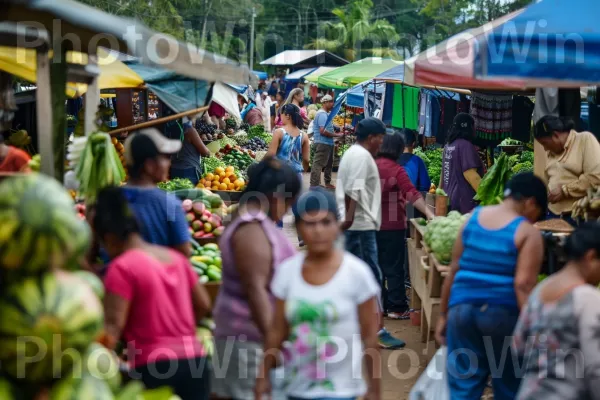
(263, 76)
(355, 97)
(394, 74)
(552, 41)
(179, 93)
(297, 75)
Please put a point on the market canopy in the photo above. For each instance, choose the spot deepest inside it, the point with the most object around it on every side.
(313, 77)
(451, 63)
(304, 59)
(395, 74)
(554, 40)
(355, 97)
(92, 28)
(357, 72)
(297, 75)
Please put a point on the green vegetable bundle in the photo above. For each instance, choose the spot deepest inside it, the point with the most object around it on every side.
(176, 184)
(259, 131)
(212, 163)
(239, 160)
(441, 234)
(433, 161)
(342, 149)
(491, 188)
(99, 166)
(227, 141)
(522, 167)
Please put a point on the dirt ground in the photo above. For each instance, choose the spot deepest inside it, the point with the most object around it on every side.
(401, 368)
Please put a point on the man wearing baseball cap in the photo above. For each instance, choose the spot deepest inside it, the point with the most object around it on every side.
(148, 157)
(323, 142)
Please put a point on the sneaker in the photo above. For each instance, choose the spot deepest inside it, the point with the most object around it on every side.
(329, 186)
(301, 243)
(387, 341)
(402, 316)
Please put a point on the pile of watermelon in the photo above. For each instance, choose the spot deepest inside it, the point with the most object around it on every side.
(50, 317)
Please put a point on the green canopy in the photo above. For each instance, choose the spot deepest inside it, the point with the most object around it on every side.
(357, 72)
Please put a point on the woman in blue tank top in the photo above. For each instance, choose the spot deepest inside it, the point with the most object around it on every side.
(495, 263)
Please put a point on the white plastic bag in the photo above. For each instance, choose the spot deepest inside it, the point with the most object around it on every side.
(433, 382)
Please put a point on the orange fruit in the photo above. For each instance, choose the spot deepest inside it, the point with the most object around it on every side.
(222, 174)
(219, 170)
(216, 178)
(215, 187)
(226, 181)
(200, 186)
(232, 177)
(223, 186)
(229, 169)
(230, 186)
(209, 176)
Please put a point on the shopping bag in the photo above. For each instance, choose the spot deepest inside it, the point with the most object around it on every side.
(433, 382)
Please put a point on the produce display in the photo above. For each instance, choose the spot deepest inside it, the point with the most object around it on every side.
(99, 165)
(237, 157)
(176, 184)
(231, 123)
(121, 151)
(222, 179)
(227, 141)
(588, 207)
(342, 148)
(340, 121)
(240, 137)
(203, 223)
(208, 132)
(256, 144)
(206, 261)
(510, 142)
(259, 131)
(35, 163)
(441, 234)
(522, 162)
(21, 140)
(211, 163)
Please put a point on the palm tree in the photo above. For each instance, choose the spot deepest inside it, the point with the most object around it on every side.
(354, 36)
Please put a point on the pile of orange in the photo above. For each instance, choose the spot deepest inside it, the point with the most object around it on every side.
(121, 151)
(222, 179)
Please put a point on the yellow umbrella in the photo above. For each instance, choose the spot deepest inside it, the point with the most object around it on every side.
(114, 74)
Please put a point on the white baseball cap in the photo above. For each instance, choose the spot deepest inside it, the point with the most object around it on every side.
(148, 143)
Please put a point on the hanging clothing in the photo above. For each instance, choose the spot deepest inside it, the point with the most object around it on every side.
(406, 107)
(493, 116)
(546, 103)
(569, 105)
(521, 124)
(425, 114)
(448, 110)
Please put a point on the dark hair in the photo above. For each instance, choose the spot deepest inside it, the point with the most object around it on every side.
(113, 214)
(392, 146)
(271, 176)
(142, 149)
(549, 124)
(410, 136)
(317, 199)
(280, 93)
(462, 128)
(294, 112)
(369, 127)
(526, 185)
(585, 238)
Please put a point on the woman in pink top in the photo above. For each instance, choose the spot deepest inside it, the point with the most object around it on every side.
(153, 300)
(252, 248)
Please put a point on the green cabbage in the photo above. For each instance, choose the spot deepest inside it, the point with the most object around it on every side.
(441, 234)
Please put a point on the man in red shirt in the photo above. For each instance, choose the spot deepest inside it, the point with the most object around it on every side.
(12, 159)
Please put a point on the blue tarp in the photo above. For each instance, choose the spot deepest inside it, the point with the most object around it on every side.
(556, 40)
(394, 74)
(297, 75)
(179, 93)
(263, 76)
(356, 96)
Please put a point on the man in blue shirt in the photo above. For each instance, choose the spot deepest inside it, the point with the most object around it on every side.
(414, 165)
(323, 142)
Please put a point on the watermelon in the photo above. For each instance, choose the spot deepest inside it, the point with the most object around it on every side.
(84, 386)
(42, 317)
(39, 228)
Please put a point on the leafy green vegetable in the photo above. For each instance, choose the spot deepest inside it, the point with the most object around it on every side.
(522, 167)
(176, 184)
(492, 185)
(433, 161)
(511, 142)
(342, 149)
(259, 131)
(211, 163)
(527, 156)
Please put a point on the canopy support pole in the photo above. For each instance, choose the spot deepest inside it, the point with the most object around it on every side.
(92, 100)
(44, 112)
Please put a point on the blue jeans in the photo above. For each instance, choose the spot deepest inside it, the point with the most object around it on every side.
(479, 340)
(363, 244)
(189, 173)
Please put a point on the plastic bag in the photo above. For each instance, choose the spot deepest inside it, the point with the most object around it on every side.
(433, 382)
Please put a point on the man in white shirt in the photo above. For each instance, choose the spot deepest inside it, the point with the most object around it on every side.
(358, 194)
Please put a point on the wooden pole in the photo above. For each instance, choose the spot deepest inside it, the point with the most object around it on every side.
(44, 112)
(158, 121)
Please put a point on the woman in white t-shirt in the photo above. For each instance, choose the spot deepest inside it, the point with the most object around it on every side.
(325, 323)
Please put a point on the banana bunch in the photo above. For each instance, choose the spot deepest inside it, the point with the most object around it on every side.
(99, 166)
(20, 139)
(587, 205)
